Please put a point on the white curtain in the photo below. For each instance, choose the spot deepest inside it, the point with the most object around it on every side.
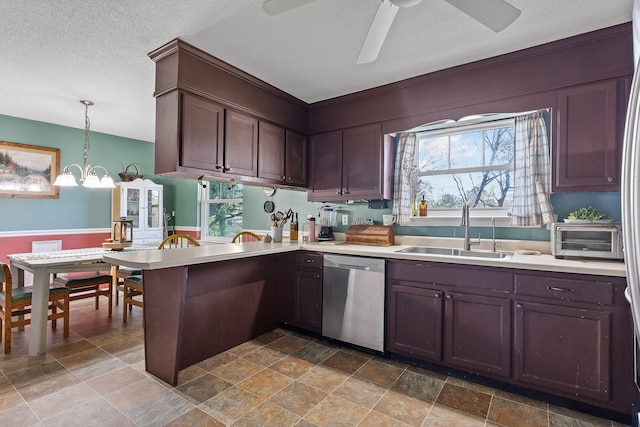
(404, 177)
(531, 204)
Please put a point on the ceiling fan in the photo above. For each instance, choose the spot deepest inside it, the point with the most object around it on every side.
(494, 14)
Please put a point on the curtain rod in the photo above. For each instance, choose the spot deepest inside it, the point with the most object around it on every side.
(471, 120)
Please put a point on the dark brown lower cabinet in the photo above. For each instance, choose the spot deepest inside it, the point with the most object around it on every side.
(567, 335)
(564, 349)
(414, 321)
(194, 312)
(477, 333)
(307, 297)
(306, 293)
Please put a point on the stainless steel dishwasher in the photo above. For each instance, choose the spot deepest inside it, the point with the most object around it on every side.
(353, 300)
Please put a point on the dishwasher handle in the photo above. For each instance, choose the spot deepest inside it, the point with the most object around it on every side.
(369, 265)
(353, 267)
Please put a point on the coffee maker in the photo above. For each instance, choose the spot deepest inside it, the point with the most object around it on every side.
(327, 220)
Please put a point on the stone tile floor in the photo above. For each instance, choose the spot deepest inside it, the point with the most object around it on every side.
(96, 377)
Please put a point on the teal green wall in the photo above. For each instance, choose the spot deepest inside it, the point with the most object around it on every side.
(78, 207)
(256, 218)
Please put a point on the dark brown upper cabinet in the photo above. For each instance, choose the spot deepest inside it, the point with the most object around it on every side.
(295, 165)
(216, 139)
(351, 164)
(282, 155)
(271, 152)
(588, 144)
(241, 144)
(202, 133)
(325, 172)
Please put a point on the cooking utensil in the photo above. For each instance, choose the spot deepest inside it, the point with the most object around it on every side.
(269, 206)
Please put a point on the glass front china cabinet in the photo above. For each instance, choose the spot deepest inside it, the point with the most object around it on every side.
(141, 202)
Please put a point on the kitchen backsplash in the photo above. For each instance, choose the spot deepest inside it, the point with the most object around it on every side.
(256, 219)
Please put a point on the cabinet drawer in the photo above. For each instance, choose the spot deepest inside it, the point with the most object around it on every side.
(451, 275)
(564, 288)
(309, 260)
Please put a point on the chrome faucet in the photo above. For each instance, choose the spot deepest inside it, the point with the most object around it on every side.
(465, 224)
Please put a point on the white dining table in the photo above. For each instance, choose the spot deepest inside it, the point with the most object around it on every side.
(42, 265)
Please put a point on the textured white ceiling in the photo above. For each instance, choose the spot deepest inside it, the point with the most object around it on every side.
(54, 53)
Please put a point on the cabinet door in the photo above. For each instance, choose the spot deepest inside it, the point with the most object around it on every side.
(588, 143)
(241, 144)
(325, 181)
(202, 133)
(308, 300)
(362, 165)
(296, 159)
(132, 202)
(414, 321)
(563, 349)
(271, 152)
(477, 331)
(153, 207)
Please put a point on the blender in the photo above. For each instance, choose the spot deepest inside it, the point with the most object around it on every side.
(327, 220)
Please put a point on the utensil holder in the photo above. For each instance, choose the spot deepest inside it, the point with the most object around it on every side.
(276, 233)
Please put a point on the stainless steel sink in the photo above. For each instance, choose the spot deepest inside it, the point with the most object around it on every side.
(430, 251)
(482, 254)
(455, 252)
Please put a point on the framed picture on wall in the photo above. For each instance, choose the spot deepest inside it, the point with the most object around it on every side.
(28, 170)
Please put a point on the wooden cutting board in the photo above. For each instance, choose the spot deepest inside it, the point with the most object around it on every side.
(372, 235)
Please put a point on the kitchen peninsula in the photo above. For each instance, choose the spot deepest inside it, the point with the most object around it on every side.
(202, 301)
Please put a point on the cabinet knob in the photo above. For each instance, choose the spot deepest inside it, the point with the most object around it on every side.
(308, 260)
(317, 275)
(449, 297)
(519, 305)
(284, 178)
(610, 178)
(437, 295)
(289, 178)
(338, 193)
(226, 169)
(218, 166)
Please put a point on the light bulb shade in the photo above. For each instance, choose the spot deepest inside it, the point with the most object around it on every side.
(107, 182)
(66, 179)
(92, 181)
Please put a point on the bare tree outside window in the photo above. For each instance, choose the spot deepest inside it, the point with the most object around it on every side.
(222, 203)
(472, 164)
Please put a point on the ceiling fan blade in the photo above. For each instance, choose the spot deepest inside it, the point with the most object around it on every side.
(377, 32)
(495, 14)
(276, 7)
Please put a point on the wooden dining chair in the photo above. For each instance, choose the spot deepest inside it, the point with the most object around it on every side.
(178, 241)
(17, 302)
(88, 285)
(133, 289)
(245, 236)
(121, 274)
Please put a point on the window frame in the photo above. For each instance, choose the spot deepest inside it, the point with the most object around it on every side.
(452, 216)
(205, 201)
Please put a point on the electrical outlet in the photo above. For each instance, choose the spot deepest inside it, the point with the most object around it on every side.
(345, 219)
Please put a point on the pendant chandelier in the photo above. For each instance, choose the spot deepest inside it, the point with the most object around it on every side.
(88, 175)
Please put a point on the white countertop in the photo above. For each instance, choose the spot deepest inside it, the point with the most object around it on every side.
(156, 259)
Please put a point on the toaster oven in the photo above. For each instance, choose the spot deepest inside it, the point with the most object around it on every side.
(587, 240)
